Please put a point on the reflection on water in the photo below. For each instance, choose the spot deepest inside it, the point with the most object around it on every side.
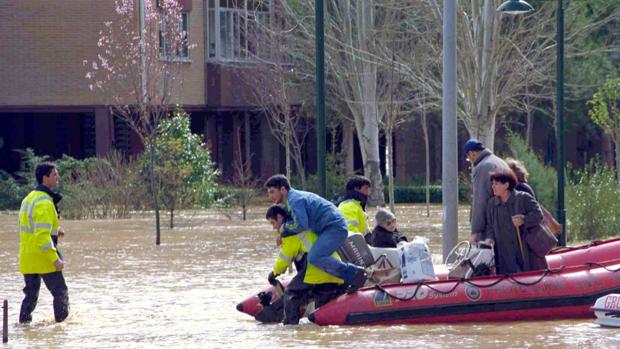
(126, 292)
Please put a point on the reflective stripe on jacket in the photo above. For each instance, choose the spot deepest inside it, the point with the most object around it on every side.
(37, 221)
(354, 215)
(293, 248)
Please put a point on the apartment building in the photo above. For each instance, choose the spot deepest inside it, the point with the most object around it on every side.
(46, 103)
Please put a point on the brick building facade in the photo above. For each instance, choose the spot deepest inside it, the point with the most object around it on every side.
(45, 102)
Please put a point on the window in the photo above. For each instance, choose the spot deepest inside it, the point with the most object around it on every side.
(165, 45)
(231, 23)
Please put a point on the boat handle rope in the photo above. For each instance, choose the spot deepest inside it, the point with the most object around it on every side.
(465, 281)
(602, 266)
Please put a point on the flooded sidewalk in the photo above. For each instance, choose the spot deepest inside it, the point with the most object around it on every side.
(125, 292)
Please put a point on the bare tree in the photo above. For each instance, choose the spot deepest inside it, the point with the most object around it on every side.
(496, 52)
(357, 75)
(138, 70)
(244, 181)
(267, 69)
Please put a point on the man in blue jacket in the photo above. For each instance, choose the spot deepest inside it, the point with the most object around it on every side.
(308, 211)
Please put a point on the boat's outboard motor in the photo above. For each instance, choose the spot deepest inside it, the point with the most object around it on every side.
(355, 250)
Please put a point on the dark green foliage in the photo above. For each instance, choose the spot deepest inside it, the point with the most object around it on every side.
(335, 178)
(184, 171)
(11, 192)
(417, 194)
(104, 187)
(14, 188)
(543, 178)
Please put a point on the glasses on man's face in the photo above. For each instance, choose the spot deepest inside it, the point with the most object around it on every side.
(391, 222)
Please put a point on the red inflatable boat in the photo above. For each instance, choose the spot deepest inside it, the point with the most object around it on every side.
(576, 278)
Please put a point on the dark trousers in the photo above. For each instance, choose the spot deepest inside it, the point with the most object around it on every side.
(299, 295)
(55, 283)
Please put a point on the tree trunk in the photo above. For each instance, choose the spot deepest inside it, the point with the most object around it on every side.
(486, 134)
(607, 150)
(301, 170)
(529, 130)
(172, 218)
(370, 152)
(617, 152)
(389, 164)
(154, 191)
(247, 135)
(287, 142)
(427, 162)
(347, 149)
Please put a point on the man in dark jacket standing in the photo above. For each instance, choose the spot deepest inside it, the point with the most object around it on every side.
(484, 162)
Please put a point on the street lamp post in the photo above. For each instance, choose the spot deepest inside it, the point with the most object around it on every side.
(320, 96)
(449, 158)
(518, 7)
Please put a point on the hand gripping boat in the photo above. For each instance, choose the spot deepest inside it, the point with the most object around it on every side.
(576, 278)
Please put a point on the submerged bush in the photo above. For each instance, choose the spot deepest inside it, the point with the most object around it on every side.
(183, 169)
(11, 192)
(104, 187)
(593, 203)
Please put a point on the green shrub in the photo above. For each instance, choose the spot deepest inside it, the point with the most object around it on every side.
(11, 192)
(335, 178)
(417, 194)
(183, 169)
(104, 187)
(593, 203)
(13, 189)
(542, 178)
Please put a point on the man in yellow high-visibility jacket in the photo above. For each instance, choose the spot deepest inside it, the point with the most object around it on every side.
(38, 257)
(353, 206)
(310, 281)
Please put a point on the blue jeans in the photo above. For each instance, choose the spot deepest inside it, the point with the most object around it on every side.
(328, 242)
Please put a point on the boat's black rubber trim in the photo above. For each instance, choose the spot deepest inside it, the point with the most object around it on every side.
(479, 307)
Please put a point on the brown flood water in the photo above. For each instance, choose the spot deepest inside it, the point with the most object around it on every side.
(127, 293)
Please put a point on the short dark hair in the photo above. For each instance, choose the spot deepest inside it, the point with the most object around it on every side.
(278, 181)
(503, 176)
(274, 211)
(43, 169)
(356, 182)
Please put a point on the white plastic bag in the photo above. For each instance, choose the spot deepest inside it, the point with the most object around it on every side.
(416, 261)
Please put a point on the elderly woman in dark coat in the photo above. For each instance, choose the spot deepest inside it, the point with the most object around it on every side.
(509, 215)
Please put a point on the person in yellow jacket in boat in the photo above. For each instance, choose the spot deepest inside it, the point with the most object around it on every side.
(38, 257)
(353, 206)
(310, 281)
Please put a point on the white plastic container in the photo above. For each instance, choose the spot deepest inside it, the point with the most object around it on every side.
(416, 261)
